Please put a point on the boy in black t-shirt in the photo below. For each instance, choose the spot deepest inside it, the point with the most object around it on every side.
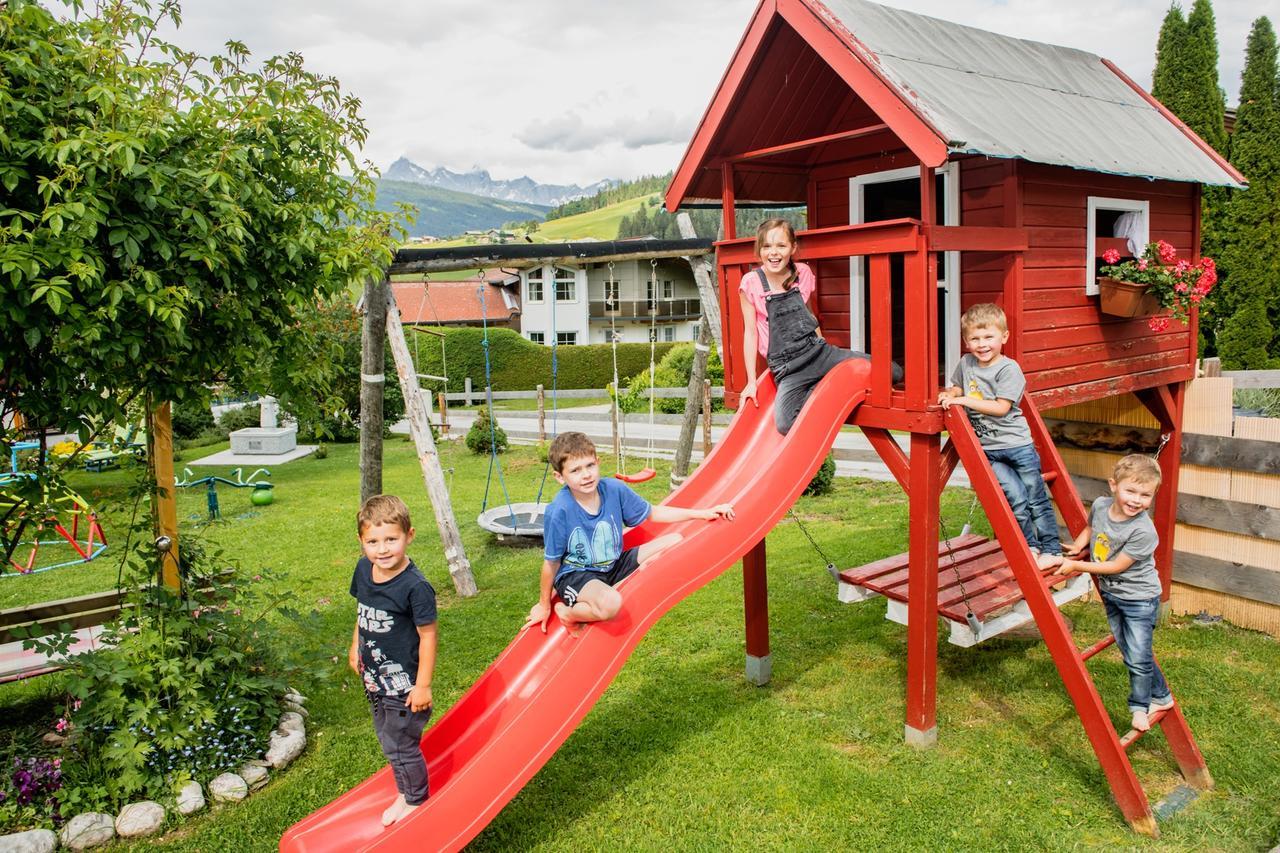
(393, 648)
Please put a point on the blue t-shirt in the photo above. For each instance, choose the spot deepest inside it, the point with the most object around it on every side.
(581, 541)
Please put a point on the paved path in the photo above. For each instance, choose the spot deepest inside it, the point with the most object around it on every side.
(854, 455)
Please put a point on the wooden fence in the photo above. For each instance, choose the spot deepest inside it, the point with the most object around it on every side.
(1227, 540)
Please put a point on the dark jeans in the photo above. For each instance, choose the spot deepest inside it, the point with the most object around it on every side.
(399, 732)
(1018, 470)
(1133, 622)
(794, 388)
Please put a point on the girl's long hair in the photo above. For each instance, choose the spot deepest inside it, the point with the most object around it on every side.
(787, 228)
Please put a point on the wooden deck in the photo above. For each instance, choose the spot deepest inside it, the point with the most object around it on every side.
(973, 577)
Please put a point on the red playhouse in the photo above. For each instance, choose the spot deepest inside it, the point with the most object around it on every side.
(942, 166)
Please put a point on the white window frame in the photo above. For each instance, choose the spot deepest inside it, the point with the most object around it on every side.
(567, 277)
(668, 289)
(528, 285)
(948, 272)
(538, 338)
(567, 339)
(612, 293)
(668, 334)
(1124, 205)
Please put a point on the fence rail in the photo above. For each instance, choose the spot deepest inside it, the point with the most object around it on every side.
(478, 394)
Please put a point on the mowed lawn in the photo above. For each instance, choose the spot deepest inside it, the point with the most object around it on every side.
(681, 752)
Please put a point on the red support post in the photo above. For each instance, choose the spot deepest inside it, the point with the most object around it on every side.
(755, 604)
(1166, 402)
(922, 596)
(727, 197)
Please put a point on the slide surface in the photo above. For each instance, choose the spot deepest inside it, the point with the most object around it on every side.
(530, 699)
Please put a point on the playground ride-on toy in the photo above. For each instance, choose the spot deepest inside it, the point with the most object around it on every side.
(263, 491)
(73, 524)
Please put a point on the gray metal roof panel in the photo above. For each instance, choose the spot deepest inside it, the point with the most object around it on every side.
(1007, 97)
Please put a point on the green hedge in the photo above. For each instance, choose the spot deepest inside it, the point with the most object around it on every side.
(521, 365)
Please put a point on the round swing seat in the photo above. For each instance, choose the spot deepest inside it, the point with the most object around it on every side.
(638, 477)
(519, 520)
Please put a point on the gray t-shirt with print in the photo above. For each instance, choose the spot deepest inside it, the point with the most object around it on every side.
(1135, 537)
(1002, 380)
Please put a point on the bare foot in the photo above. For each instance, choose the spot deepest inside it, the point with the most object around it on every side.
(392, 813)
(1048, 561)
(573, 626)
(1140, 721)
(1160, 705)
(403, 811)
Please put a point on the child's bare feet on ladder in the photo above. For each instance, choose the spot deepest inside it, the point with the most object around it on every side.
(1141, 722)
(571, 625)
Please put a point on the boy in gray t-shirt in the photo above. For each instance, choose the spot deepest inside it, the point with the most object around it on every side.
(1121, 541)
(990, 385)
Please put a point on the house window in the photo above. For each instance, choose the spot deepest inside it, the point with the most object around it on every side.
(566, 339)
(535, 285)
(668, 332)
(668, 290)
(538, 337)
(612, 292)
(1119, 223)
(650, 297)
(613, 336)
(566, 286)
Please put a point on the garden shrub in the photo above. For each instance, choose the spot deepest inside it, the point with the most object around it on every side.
(517, 364)
(184, 686)
(824, 479)
(191, 418)
(480, 439)
(241, 418)
(673, 371)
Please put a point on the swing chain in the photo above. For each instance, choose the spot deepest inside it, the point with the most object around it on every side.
(831, 566)
(974, 624)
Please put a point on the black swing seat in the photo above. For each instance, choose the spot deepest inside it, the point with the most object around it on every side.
(980, 582)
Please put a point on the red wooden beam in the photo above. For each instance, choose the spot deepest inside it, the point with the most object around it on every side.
(880, 308)
(922, 604)
(950, 458)
(840, 241)
(897, 417)
(1166, 403)
(755, 605)
(977, 238)
(729, 213)
(857, 66)
(891, 454)
(813, 142)
(1053, 398)
(721, 103)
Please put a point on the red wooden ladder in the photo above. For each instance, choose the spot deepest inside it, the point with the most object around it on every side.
(1108, 744)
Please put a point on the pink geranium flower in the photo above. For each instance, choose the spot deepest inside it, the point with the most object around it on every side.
(1177, 283)
(1111, 256)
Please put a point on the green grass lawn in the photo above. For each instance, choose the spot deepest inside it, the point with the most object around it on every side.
(681, 752)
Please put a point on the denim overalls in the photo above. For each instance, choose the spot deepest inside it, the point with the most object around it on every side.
(797, 357)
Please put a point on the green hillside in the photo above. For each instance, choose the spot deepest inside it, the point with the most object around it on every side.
(601, 224)
(446, 212)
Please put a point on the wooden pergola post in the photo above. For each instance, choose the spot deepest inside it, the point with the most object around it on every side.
(160, 437)
(372, 383)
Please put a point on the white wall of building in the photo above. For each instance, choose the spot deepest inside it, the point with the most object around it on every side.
(570, 316)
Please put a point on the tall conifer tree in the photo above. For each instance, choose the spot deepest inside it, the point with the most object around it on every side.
(1250, 291)
(1168, 80)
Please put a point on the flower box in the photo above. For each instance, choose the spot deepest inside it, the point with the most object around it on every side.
(1126, 299)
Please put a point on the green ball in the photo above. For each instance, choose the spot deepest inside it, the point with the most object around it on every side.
(262, 495)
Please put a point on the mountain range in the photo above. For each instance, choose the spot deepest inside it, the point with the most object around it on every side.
(479, 182)
(444, 212)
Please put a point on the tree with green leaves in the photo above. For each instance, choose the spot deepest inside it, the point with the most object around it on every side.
(168, 220)
(1247, 301)
(1167, 78)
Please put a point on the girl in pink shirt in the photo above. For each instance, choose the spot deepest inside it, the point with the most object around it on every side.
(779, 324)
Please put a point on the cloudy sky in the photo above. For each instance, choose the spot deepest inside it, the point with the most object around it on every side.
(572, 91)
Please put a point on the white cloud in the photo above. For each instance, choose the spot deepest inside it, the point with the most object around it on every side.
(571, 91)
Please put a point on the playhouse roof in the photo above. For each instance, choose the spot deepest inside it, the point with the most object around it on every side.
(969, 91)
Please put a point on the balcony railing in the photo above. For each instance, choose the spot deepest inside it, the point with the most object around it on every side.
(644, 309)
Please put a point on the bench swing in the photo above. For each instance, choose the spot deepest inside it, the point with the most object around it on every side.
(519, 522)
(619, 418)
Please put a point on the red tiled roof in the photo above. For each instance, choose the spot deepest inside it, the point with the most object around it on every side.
(450, 303)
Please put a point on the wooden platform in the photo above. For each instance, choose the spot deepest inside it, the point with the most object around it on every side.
(977, 580)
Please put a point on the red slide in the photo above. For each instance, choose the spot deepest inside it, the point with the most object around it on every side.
(530, 699)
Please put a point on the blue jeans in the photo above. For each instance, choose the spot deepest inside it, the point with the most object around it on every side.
(1018, 470)
(1132, 622)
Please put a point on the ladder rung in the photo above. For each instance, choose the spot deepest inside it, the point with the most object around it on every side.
(1050, 476)
(1133, 735)
(1097, 647)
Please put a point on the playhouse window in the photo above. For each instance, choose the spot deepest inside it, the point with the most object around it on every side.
(535, 285)
(1113, 223)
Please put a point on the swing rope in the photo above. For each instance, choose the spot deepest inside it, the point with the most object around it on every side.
(488, 393)
(620, 462)
(555, 343)
(653, 343)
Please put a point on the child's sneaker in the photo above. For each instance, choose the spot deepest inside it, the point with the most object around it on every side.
(1160, 704)
(1140, 721)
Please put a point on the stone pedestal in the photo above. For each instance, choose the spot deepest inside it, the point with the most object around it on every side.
(264, 441)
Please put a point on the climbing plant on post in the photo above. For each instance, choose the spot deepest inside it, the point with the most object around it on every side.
(167, 220)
